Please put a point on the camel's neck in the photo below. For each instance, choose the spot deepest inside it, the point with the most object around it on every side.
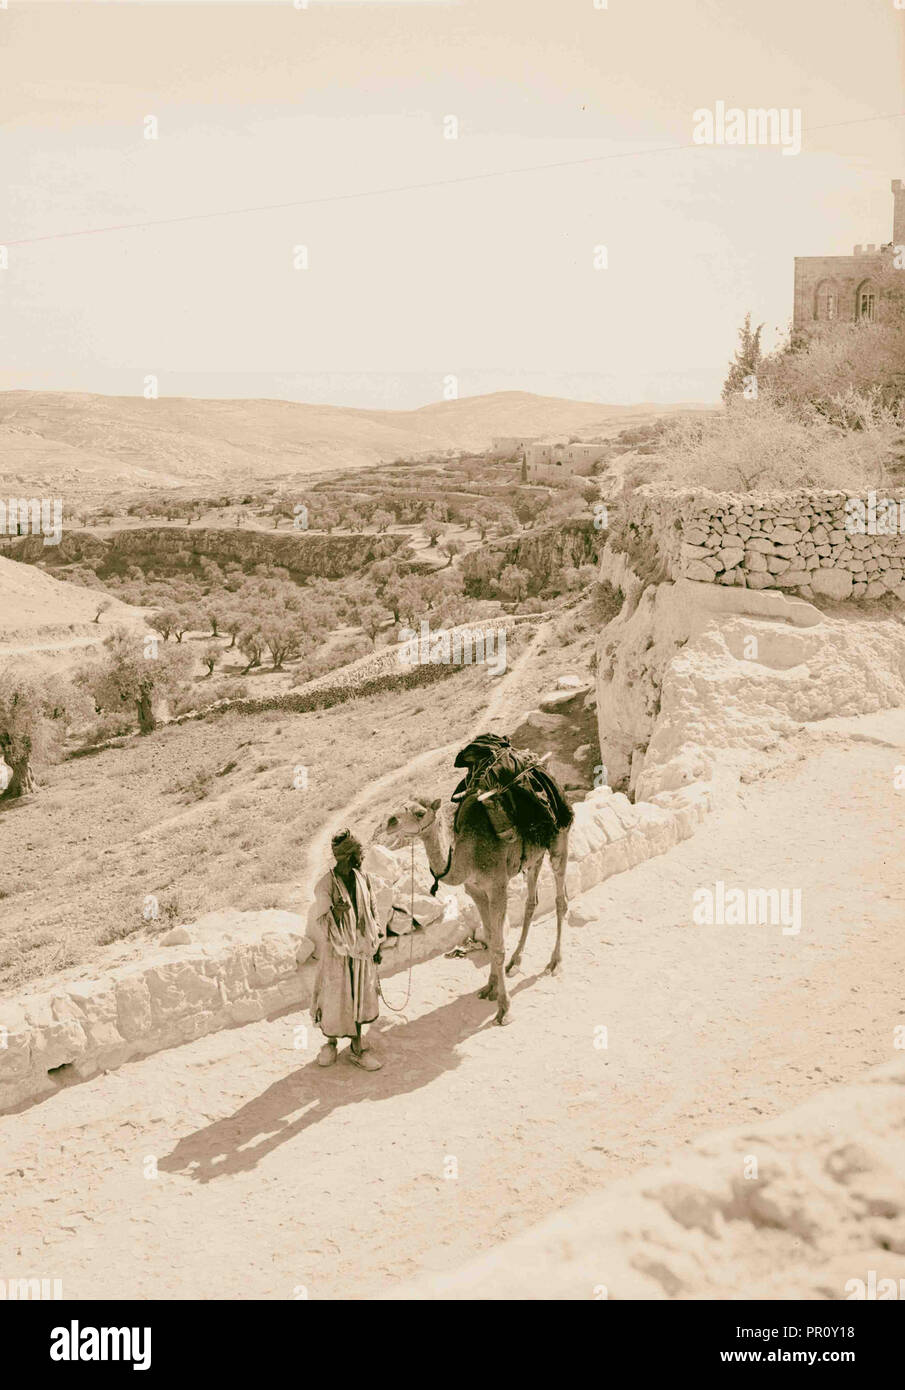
(436, 843)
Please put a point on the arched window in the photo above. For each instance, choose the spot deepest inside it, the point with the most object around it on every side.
(826, 301)
(865, 302)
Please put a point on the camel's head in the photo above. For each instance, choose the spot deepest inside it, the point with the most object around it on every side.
(414, 819)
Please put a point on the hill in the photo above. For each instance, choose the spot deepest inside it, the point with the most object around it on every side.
(65, 438)
(44, 620)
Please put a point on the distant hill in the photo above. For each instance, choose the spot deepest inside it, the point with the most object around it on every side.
(60, 438)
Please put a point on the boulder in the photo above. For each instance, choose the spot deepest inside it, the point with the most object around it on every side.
(381, 863)
(760, 581)
(426, 910)
(698, 570)
(561, 701)
(793, 578)
(536, 721)
(580, 916)
(832, 583)
(179, 936)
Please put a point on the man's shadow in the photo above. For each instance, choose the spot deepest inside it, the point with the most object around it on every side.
(416, 1054)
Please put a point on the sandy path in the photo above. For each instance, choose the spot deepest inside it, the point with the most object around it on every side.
(274, 1174)
(52, 645)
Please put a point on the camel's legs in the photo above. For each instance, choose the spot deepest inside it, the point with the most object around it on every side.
(498, 899)
(534, 869)
(482, 902)
(559, 861)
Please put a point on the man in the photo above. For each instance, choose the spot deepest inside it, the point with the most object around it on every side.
(347, 936)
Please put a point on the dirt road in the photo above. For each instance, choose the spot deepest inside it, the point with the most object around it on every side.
(277, 1179)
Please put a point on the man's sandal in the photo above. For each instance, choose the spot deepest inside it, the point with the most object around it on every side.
(327, 1055)
(366, 1060)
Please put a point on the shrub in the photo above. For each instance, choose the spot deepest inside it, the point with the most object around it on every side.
(765, 444)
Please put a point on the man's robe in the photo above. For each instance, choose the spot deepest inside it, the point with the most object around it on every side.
(346, 933)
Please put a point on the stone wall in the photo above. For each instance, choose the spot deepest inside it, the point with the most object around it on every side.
(232, 968)
(802, 541)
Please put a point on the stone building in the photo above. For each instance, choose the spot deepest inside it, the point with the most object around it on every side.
(845, 289)
(510, 446)
(550, 462)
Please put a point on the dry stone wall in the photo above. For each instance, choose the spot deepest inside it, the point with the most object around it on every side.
(818, 543)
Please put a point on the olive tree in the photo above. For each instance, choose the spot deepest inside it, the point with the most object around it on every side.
(135, 673)
(26, 732)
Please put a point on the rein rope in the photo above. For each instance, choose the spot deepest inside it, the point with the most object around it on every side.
(408, 988)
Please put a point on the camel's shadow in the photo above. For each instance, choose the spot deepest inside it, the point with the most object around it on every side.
(415, 1054)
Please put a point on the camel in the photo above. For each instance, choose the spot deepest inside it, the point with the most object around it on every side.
(474, 857)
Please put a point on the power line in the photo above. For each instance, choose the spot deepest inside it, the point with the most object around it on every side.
(405, 188)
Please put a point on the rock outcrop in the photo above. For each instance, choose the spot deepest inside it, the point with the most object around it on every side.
(303, 554)
(808, 1205)
(539, 553)
(696, 681)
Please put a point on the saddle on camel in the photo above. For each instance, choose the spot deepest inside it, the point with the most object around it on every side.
(510, 815)
(522, 801)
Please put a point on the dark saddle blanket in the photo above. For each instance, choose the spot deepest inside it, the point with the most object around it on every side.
(528, 799)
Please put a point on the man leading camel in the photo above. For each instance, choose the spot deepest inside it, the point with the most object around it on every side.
(347, 936)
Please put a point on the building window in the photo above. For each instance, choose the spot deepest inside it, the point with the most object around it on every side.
(865, 303)
(826, 305)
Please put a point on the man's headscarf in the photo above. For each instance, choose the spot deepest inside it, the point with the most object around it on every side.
(344, 845)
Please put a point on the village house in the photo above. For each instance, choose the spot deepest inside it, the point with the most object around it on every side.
(552, 462)
(511, 446)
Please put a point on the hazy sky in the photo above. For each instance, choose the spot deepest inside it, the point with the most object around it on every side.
(491, 280)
